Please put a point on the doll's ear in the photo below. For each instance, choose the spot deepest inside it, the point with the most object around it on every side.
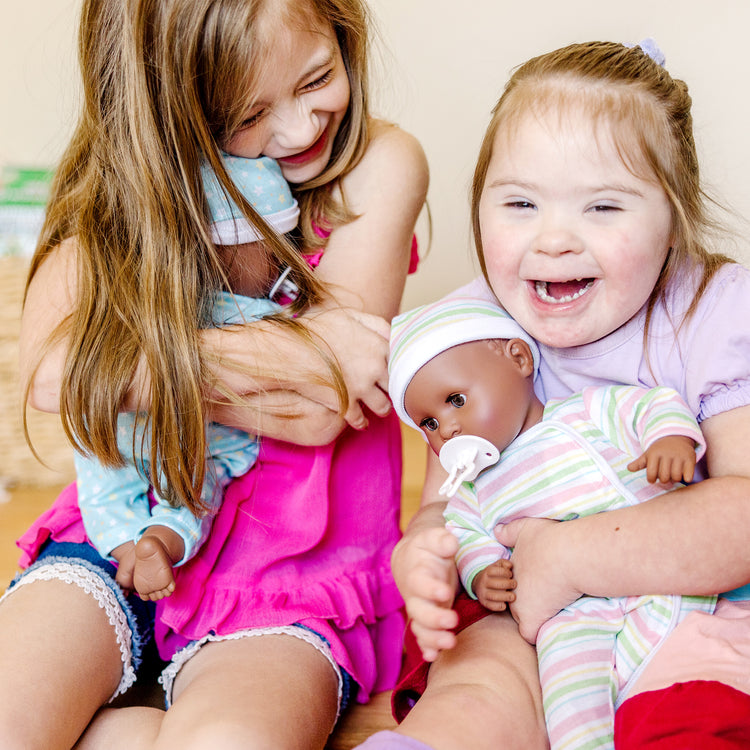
(519, 351)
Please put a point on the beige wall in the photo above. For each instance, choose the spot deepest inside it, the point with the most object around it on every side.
(440, 68)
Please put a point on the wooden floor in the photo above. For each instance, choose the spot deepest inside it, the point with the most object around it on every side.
(26, 503)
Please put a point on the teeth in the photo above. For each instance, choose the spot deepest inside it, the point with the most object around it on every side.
(541, 290)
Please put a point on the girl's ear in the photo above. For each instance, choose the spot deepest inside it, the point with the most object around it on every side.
(520, 353)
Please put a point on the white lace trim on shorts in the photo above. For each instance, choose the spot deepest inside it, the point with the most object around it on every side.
(184, 655)
(93, 585)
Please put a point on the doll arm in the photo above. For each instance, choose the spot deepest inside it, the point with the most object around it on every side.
(671, 439)
(692, 540)
(477, 546)
(634, 418)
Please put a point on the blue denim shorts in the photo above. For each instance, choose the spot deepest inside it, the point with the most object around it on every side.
(347, 686)
(83, 566)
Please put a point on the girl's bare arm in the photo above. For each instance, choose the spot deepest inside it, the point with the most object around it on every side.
(298, 379)
(365, 263)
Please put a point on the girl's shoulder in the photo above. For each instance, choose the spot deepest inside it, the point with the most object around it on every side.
(393, 157)
(729, 285)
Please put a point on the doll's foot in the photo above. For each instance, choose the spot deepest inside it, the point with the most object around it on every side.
(152, 577)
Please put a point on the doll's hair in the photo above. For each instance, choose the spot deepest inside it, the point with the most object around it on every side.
(165, 82)
(647, 113)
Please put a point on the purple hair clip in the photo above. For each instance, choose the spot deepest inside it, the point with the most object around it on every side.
(651, 48)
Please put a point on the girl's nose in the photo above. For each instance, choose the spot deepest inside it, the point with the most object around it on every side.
(557, 236)
(555, 243)
(297, 126)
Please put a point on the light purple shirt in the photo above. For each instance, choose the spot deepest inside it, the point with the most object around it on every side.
(707, 361)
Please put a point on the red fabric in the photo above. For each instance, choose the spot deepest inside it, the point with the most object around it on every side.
(413, 679)
(698, 715)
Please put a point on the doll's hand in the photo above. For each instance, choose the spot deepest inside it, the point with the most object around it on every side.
(425, 572)
(542, 589)
(669, 459)
(494, 585)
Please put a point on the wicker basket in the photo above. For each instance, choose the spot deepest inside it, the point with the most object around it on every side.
(19, 466)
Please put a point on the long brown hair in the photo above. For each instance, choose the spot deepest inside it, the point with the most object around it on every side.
(164, 81)
(649, 113)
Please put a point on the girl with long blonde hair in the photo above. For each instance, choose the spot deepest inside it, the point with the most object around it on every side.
(289, 609)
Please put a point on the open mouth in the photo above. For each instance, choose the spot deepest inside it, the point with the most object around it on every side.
(308, 154)
(559, 292)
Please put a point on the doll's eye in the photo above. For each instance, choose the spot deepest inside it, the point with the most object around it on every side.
(457, 399)
(430, 424)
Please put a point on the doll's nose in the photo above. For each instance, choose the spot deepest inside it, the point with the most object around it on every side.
(449, 429)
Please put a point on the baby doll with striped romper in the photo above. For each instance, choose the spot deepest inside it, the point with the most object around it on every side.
(462, 371)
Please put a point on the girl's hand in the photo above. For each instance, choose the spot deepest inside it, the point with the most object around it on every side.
(494, 585)
(359, 342)
(542, 587)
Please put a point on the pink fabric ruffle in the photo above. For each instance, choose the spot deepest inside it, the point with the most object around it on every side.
(62, 523)
(305, 536)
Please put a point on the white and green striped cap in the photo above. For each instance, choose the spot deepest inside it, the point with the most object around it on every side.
(421, 334)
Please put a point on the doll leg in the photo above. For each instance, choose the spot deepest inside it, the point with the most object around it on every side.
(576, 651)
(483, 694)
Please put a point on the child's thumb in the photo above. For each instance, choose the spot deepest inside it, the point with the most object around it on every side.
(507, 533)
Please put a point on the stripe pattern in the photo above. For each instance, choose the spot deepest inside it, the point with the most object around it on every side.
(574, 463)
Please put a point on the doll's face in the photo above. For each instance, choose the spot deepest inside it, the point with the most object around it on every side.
(482, 388)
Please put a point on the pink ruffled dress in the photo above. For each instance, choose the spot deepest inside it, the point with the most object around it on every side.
(305, 537)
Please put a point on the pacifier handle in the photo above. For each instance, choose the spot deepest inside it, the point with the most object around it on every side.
(464, 457)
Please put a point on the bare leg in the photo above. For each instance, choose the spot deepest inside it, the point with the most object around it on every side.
(272, 691)
(136, 728)
(59, 662)
(484, 693)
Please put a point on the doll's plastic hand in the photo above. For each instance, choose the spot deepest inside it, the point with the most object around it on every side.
(542, 589)
(425, 571)
(359, 343)
(669, 459)
(494, 586)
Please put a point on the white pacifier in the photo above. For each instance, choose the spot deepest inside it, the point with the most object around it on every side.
(463, 457)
